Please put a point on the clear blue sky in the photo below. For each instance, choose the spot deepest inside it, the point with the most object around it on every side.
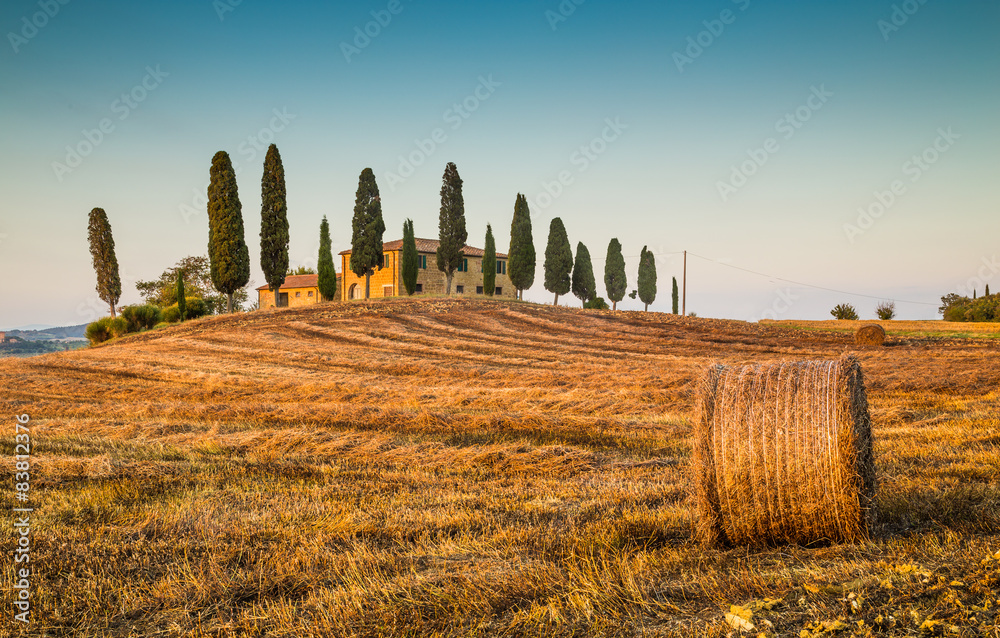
(750, 133)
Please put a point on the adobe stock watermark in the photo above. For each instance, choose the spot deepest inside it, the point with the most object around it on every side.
(901, 14)
(698, 43)
(454, 116)
(363, 35)
(581, 159)
(563, 11)
(985, 274)
(22, 518)
(31, 25)
(93, 307)
(222, 7)
(248, 149)
(787, 127)
(784, 299)
(121, 107)
(913, 169)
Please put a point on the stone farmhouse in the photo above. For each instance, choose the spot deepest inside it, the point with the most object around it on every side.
(298, 290)
(302, 290)
(388, 282)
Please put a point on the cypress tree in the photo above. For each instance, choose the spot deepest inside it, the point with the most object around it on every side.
(489, 263)
(647, 277)
(521, 257)
(584, 286)
(227, 248)
(451, 225)
(327, 274)
(615, 280)
(102, 251)
(987, 293)
(366, 242)
(558, 260)
(674, 297)
(181, 298)
(411, 260)
(273, 222)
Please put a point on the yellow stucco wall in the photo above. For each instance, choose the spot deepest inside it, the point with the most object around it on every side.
(296, 297)
(384, 282)
(388, 282)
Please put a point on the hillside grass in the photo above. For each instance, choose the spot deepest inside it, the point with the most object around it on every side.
(901, 328)
(454, 468)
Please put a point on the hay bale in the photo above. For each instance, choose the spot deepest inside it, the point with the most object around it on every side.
(782, 453)
(870, 334)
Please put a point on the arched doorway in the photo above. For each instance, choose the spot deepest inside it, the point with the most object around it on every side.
(355, 292)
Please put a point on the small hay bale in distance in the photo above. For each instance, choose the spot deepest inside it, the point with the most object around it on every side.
(782, 453)
(870, 334)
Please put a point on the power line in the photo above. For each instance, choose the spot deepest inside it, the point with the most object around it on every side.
(799, 283)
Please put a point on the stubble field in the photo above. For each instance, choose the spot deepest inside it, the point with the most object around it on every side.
(456, 468)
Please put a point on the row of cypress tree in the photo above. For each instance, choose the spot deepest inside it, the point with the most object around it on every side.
(563, 273)
(230, 260)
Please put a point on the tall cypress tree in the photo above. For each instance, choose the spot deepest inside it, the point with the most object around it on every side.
(411, 260)
(102, 251)
(489, 263)
(273, 222)
(584, 286)
(558, 260)
(614, 273)
(521, 257)
(227, 248)
(326, 273)
(366, 242)
(647, 277)
(451, 225)
(674, 297)
(181, 297)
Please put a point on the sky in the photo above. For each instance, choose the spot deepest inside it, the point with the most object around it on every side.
(804, 153)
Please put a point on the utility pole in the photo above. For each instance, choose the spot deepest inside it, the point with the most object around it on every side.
(684, 287)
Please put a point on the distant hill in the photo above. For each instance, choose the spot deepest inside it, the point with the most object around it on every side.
(51, 334)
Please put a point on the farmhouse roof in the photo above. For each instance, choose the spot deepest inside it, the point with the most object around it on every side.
(297, 281)
(429, 246)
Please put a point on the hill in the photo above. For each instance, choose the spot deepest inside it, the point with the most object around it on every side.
(51, 334)
(447, 467)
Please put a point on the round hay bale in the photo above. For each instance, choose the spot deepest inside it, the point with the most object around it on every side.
(782, 453)
(870, 334)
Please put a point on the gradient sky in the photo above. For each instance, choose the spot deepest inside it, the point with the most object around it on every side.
(890, 81)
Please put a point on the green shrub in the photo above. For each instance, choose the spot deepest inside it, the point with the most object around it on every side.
(886, 310)
(957, 308)
(105, 328)
(98, 331)
(141, 317)
(196, 307)
(844, 311)
(597, 303)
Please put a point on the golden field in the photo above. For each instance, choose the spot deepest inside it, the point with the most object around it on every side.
(456, 468)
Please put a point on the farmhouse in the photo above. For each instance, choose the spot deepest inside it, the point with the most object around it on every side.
(298, 290)
(388, 282)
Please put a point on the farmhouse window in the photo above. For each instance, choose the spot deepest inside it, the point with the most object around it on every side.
(310, 293)
(419, 288)
(298, 294)
(459, 290)
(479, 290)
(501, 267)
(463, 266)
(422, 259)
(499, 291)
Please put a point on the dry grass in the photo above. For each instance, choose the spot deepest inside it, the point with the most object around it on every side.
(448, 468)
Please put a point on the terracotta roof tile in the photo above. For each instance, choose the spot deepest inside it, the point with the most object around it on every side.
(429, 246)
(298, 281)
